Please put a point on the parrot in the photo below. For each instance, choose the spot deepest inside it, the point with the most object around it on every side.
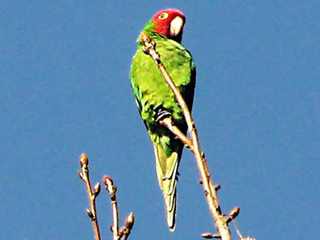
(155, 100)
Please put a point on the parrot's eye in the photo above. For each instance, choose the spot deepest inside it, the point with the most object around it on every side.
(163, 15)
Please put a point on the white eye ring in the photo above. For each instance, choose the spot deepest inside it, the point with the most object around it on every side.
(163, 15)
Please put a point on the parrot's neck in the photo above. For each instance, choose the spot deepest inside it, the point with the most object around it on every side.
(149, 30)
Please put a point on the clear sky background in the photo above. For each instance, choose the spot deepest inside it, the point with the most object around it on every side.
(64, 90)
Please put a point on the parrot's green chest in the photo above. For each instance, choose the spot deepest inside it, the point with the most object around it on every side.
(149, 87)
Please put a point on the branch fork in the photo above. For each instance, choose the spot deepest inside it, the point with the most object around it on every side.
(121, 233)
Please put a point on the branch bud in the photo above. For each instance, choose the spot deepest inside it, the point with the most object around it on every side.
(216, 236)
(90, 214)
(97, 188)
(84, 160)
(233, 214)
(217, 187)
(129, 220)
(80, 175)
(207, 235)
(108, 182)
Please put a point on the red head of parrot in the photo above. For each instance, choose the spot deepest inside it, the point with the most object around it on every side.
(169, 23)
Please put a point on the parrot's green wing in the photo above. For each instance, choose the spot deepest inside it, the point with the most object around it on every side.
(154, 97)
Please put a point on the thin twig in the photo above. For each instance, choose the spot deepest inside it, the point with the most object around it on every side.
(210, 193)
(124, 231)
(128, 224)
(92, 194)
(111, 189)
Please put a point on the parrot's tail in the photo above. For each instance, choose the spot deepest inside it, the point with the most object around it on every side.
(167, 167)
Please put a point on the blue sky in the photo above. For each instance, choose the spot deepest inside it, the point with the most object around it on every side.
(64, 90)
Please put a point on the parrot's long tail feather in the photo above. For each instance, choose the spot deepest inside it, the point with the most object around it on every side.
(167, 167)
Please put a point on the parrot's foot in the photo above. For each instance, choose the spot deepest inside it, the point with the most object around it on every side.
(162, 114)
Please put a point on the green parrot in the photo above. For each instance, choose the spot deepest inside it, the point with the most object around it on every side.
(156, 101)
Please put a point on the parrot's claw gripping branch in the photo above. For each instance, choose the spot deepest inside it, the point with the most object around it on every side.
(121, 233)
(221, 222)
(168, 123)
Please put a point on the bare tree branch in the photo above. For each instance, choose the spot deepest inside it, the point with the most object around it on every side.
(124, 231)
(127, 227)
(221, 222)
(118, 233)
(92, 194)
(111, 189)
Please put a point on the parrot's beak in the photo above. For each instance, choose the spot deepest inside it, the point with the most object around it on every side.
(176, 27)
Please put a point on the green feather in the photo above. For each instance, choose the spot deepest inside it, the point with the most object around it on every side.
(152, 93)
